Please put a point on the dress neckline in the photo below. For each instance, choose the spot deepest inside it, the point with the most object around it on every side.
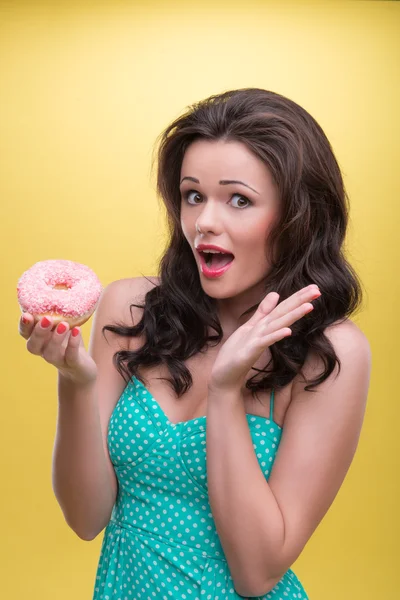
(202, 418)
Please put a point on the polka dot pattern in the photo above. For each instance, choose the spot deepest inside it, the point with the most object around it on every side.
(161, 542)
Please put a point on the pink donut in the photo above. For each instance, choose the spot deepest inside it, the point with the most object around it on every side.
(62, 289)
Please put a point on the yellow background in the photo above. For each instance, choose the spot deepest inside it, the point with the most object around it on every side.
(86, 87)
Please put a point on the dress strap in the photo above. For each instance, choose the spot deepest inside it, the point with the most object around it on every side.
(271, 406)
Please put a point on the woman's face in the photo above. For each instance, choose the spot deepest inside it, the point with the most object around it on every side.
(235, 216)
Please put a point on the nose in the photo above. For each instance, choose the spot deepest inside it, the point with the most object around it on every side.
(209, 219)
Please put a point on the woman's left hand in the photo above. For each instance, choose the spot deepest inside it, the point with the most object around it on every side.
(269, 324)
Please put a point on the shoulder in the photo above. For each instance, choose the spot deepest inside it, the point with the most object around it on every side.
(346, 336)
(344, 393)
(351, 348)
(118, 296)
(130, 287)
(117, 307)
(351, 345)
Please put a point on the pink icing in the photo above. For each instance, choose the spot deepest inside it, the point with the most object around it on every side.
(37, 296)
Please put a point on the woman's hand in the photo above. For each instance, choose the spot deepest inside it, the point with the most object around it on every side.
(269, 324)
(63, 350)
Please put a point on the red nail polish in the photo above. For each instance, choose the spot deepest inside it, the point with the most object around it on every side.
(45, 322)
(61, 328)
(25, 320)
(75, 332)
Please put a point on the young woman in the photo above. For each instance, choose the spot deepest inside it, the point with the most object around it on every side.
(216, 414)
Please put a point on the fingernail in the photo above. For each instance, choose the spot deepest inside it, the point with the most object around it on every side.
(75, 332)
(25, 320)
(45, 322)
(61, 328)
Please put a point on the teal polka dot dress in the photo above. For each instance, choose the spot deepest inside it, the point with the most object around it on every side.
(161, 542)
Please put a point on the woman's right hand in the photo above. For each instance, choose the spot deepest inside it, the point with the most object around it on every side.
(63, 350)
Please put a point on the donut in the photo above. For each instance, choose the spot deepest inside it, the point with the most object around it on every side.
(61, 289)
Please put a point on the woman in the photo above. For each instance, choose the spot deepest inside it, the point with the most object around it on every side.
(216, 414)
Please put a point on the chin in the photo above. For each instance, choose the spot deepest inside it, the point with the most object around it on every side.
(220, 291)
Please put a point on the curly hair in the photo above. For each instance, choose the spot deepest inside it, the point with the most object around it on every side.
(306, 243)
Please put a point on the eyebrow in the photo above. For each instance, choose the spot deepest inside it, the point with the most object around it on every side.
(223, 182)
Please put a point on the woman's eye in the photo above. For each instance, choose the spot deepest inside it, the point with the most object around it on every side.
(188, 195)
(193, 197)
(241, 198)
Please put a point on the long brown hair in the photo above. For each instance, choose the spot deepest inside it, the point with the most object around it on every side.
(307, 241)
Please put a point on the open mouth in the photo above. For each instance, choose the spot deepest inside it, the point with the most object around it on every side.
(216, 260)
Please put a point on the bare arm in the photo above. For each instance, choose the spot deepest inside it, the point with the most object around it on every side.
(84, 479)
(263, 526)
